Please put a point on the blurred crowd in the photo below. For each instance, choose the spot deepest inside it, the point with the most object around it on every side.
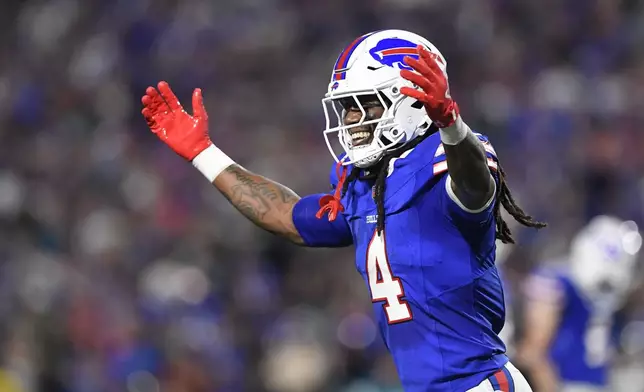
(122, 269)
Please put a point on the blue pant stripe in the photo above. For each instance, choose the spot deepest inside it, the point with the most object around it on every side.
(510, 379)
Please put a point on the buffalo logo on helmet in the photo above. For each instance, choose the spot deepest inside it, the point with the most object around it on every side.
(392, 51)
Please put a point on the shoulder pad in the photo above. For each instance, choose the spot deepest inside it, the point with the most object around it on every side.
(440, 159)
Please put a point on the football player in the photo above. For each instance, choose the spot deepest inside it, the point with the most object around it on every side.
(571, 305)
(415, 191)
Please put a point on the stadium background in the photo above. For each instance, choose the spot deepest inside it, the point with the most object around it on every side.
(121, 269)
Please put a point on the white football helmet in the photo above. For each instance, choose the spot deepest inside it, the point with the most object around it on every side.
(603, 256)
(371, 65)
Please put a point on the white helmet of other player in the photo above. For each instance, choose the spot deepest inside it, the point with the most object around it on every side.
(603, 255)
(370, 66)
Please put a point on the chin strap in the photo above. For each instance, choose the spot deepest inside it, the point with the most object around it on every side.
(332, 203)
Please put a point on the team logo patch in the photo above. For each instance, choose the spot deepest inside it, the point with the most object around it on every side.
(335, 85)
(392, 51)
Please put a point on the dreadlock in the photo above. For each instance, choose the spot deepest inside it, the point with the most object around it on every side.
(503, 194)
(504, 197)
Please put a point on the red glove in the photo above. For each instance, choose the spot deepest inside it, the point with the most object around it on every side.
(440, 106)
(185, 134)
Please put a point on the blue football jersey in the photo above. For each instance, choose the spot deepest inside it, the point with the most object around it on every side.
(435, 289)
(581, 347)
(507, 333)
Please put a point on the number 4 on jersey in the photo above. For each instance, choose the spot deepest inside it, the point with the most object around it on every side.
(384, 286)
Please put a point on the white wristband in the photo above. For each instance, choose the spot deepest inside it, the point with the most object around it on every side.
(455, 133)
(211, 162)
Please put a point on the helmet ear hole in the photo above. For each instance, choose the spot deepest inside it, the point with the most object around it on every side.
(417, 105)
(422, 128)
(393, 135)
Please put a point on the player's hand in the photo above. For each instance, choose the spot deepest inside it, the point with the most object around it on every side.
(185, 134)
(434, 93)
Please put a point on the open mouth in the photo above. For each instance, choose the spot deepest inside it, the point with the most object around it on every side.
(360, 137)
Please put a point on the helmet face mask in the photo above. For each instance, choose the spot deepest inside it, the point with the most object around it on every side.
(370, 66)
(384, 133)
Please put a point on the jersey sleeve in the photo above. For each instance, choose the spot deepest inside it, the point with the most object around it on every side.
(453, 205)
(321, 233)
(316, 232)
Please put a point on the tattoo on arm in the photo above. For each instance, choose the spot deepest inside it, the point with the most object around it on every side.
(266, 203)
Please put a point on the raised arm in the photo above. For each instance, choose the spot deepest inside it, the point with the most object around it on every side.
(470, 180)
(269, 205)
(266, 203)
